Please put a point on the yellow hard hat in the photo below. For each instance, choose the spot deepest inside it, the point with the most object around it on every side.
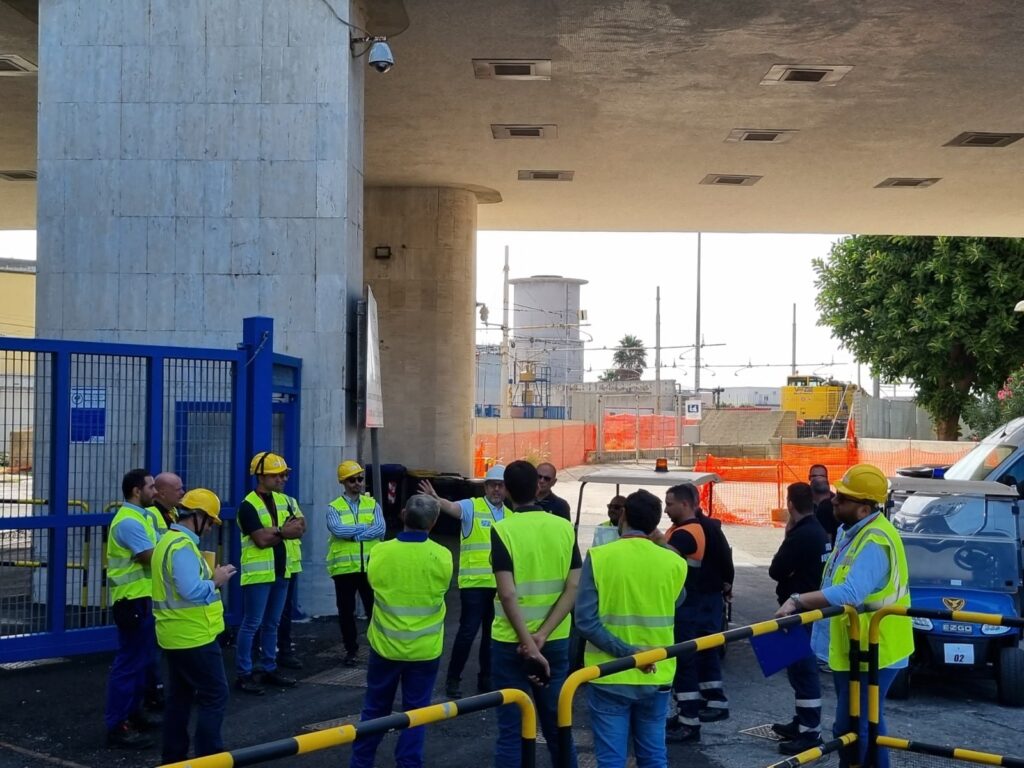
(267, 463)
(347, 469)
(864, 482)
(203, 500)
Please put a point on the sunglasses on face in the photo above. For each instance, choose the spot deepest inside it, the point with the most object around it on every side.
(357, 479)
(616, 506)
(546, 478)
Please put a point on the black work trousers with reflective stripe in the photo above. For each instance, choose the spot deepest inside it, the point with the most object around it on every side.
(346, 586)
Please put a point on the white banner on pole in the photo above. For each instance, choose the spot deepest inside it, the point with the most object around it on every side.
(374, 396)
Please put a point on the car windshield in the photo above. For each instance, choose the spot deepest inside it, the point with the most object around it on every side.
(959, 541)
(980, 462)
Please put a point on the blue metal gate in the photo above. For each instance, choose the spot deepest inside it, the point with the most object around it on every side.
(74, 417)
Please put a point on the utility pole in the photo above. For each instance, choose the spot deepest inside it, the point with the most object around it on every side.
(657, 353)
(792, 370)
(506, 404)
(696, 359)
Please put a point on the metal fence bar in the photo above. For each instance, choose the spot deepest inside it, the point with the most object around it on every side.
(346, 734)
(951, 753)
(688, 647)
(816, 753)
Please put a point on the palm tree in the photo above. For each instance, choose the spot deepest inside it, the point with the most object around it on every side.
(630, 360)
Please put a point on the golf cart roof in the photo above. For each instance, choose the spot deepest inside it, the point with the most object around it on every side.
(930, 487)
(650, 477)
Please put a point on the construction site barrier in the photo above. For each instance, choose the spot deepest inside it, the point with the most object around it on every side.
(572, 683)
(874, 702)
(397, 721)
(810, 755)
(499, 441)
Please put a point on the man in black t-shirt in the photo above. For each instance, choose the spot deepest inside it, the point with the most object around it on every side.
(547, 476)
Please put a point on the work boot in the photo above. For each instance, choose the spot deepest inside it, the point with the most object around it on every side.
(289, 661)
(155, 699)
(683, 734)
(452, 688)
(712, 715)
(142, 721)
(126, 736)
(801, 743)
(672, 724)
(788, 731)
(248, 684)
(351, 659)
(276, 678)
(483, 684)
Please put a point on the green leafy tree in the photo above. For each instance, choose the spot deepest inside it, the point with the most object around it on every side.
(935, 310)
(986, 412)
(630, 360)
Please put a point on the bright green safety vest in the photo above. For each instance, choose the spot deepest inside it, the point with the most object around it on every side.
(896, 641)
(638, 584)
(541, 548)
(293, 546)
(475, 550)
(258, 564)
(128, 579)
(409, 580)
(159, 524)
(179, 622)
(345, 555)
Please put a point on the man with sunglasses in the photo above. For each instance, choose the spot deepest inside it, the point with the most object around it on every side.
(355, 522)
(547, 476)
(609, 530)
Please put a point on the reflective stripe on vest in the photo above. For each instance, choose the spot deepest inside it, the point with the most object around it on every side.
(181, 623)
(293, 546)
(409, 580)
(257, 562)
(128, 579)
(159, 523)
(475, 550)
(638, 584)
(344, 555)
(897, 635)
(541, 547)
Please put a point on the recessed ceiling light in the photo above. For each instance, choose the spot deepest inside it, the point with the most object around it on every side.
(906, 182)
(12, 65)
(806, 74)
(18, 175)
(547, 131)
(983, 139)
(760, 135)
(730, 180)
(512, 69)
(536, 175)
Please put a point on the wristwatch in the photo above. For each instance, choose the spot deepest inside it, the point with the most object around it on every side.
(795, 597)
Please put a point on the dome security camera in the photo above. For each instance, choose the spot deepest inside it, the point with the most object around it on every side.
(380, 57)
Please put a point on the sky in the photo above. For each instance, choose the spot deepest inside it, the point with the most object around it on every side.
(749, 283)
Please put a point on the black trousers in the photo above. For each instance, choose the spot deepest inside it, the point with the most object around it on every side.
(346, 586)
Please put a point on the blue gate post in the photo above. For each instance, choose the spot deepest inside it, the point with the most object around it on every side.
(60, 437)
(258, 340)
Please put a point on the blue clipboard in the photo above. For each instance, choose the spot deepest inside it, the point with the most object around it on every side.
(777, 650)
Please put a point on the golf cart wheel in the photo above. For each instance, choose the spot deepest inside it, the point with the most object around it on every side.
(1010, 677)
(900, 688)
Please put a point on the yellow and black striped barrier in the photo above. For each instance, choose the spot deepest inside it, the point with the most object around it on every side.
(874, 699)
(346, 734)
(689, 647)
(816, 753)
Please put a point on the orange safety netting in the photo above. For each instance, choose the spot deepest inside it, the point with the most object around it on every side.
(502, 441)
(625, 431)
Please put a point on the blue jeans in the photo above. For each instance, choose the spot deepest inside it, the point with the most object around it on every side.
(806, 683)
(842, 723)
(476, 613)
(617, 720)
(383, 677)
(195, 675)
(284, 628)
(136, 644)
(261, 611)
(508, 672)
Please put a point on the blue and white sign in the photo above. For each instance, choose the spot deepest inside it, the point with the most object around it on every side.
(88, 414)
(694, 410)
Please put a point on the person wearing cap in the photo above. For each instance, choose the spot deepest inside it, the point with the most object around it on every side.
(410, 576)
(189, 617)
(356, 525)
(866, 569)
(609, 529)
(476, 578)
(264, 529)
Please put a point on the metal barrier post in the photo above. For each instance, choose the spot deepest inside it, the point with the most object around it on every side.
(816, 753)
(346, 734)
(853, 620)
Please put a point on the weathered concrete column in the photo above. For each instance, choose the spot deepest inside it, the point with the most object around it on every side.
(200, 161)
(426, 296)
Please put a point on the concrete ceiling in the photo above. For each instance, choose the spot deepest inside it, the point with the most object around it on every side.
(644, 95)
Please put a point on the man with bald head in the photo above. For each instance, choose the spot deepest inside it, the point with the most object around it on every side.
(169, 490)
(547, 476)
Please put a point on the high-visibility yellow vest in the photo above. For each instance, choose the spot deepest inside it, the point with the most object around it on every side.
(541, 548)
(346, 555)
(179, 622)
(128, 579)
(896, 641)
(637, 583)
(475, 550)
(257, 563)
(159, 524)
(293, 546)
(409, 580)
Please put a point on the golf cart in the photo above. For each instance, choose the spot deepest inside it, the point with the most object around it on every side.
(632, 479)
(963, 544)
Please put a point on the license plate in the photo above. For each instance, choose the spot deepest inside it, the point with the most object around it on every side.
(958, 653)
(962, 629)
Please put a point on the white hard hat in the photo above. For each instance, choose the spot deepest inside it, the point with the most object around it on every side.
(497, 472)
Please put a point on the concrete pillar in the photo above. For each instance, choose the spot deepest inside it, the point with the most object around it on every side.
(201, 161)
(426, 297)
